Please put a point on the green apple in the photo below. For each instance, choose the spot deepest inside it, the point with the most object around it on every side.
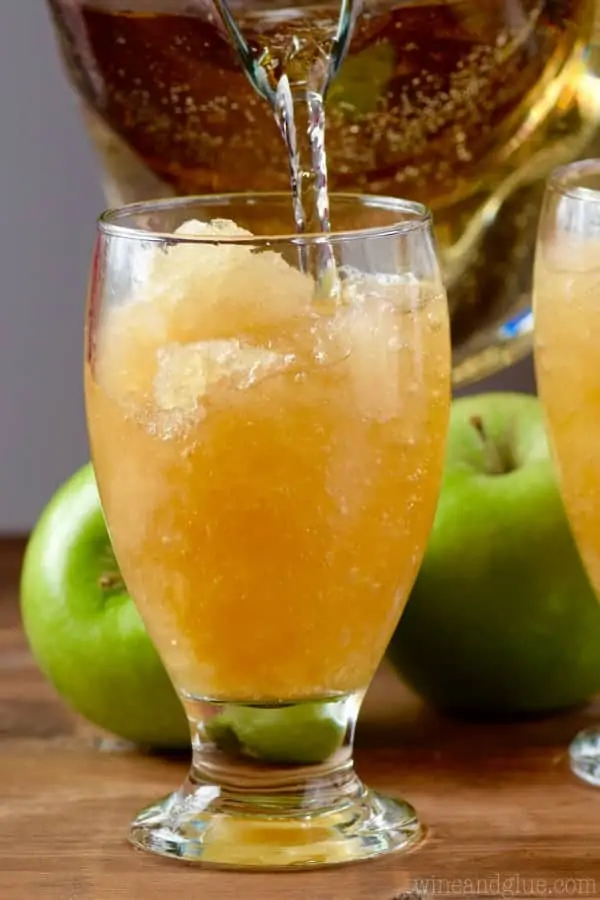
(351, 93)
(303, 733)
(84, 629)
(502, 619)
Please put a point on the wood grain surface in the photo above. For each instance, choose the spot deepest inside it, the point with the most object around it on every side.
(506, 818)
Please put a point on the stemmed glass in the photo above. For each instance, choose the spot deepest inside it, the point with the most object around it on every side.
(567, 344)
(268, 448)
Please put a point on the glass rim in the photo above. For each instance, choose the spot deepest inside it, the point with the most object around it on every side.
(565, 180)
(108, 223)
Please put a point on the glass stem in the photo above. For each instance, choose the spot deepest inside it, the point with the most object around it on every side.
(285, 760)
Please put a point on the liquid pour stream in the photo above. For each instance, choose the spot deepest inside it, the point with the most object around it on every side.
(293, 77)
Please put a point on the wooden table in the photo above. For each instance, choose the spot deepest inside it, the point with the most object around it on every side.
(506, 818)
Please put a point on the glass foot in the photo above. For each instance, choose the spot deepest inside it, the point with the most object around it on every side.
(584, 754)
(189, 826)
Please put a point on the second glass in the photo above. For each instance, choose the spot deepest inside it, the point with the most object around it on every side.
(567, 341)
(269, 455)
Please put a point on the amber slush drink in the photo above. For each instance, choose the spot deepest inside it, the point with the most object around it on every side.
(567, 344)
(267, 417)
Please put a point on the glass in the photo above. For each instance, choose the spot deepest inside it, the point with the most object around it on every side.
(269, 459)
(463, 106)
(567, 338)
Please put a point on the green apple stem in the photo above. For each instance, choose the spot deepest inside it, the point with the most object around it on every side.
(495, 463)
(109, 581)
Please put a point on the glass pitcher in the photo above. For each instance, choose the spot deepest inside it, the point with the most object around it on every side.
(463, 106)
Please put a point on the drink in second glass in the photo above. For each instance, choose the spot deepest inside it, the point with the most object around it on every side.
(269, 458)
(567, 342)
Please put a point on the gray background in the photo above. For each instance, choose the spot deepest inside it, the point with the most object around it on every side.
(49, 197)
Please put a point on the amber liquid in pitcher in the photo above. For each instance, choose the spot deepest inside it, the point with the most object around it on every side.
(458, 105)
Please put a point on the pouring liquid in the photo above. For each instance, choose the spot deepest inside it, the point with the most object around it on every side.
(292, 72)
